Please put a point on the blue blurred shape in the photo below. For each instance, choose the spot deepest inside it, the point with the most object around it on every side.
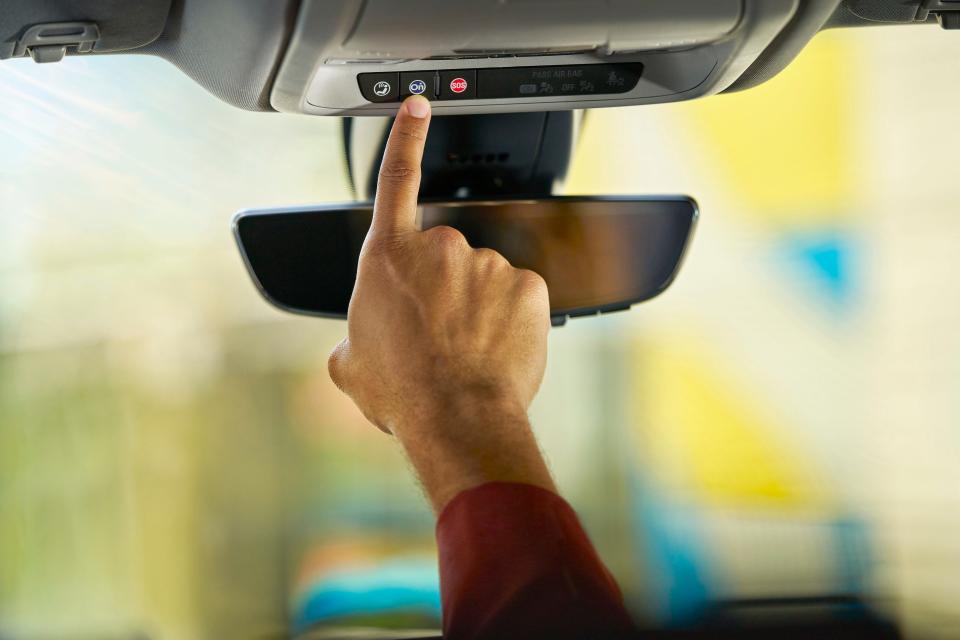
(853, 553)
(668, 540)
(405, 585)
(827, 259)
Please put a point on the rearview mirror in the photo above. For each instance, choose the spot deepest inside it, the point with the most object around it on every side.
(596, 254)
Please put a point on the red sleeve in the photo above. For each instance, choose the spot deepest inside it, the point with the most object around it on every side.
(515, 563)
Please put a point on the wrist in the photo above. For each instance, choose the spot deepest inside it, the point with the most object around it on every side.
(467, 442)
(434, 416)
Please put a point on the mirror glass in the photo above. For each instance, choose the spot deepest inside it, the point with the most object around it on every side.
(596, 254)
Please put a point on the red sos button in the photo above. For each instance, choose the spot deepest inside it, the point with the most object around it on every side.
(455, 84)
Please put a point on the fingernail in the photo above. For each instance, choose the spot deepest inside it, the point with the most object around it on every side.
(417, 106)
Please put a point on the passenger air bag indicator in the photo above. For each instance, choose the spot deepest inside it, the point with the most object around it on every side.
(568, 80)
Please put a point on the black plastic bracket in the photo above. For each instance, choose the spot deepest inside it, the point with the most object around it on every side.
(947, 12)
(478, 156)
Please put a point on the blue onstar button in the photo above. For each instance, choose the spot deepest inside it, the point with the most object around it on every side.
(417, 87)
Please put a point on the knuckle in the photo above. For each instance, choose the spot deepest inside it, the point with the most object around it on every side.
(382, 247)
(410, 133)
(398, 171)
(446, 238)
(489, 255)
(531, 282)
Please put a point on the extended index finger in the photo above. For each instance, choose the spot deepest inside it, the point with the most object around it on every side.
(395, 207)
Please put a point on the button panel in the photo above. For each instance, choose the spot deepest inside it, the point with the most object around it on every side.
(503, 82)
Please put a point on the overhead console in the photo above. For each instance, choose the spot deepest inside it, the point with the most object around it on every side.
(362, 57)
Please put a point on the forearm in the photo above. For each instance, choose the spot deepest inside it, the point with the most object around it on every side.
(446, 349)
(471, 444)
(515, 563)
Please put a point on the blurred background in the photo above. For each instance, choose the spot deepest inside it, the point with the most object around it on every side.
(782, 423)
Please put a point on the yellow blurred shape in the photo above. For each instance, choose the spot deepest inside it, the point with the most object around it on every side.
(784, 148)
(714, 440)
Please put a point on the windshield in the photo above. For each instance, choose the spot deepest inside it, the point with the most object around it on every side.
(175, 462)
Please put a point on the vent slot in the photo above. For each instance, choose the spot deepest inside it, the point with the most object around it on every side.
(455, 158)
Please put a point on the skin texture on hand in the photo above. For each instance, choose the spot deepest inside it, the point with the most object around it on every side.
(446, 344)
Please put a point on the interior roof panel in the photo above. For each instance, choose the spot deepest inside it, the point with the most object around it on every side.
(266, 55)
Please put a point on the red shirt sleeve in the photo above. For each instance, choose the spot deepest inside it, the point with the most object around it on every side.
(516, 563)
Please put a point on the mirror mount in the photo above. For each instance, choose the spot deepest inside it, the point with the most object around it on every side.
(471, 156)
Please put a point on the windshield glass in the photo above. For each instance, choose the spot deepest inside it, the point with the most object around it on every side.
(175, 462)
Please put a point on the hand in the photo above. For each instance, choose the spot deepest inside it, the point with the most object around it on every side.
(446, 344)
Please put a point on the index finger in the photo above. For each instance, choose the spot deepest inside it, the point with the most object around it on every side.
(395, 207)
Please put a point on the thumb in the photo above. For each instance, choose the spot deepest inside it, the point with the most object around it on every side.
(338, 364)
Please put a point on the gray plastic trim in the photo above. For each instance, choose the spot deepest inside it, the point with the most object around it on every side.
(809, 19)
(334, 88)
(230, 47)
(305, 84)
(123, 25)
(887, 10)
